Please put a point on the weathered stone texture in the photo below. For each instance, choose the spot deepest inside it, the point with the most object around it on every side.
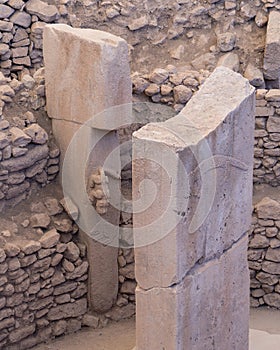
(105, 51)
(174, 264)
(230, 162)
(272, 48)
(201, 309)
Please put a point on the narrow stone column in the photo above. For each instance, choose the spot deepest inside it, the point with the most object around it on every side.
(271, 63)
(191, 237)
(87, 73)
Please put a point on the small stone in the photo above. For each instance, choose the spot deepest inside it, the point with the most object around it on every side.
(273, 254)
(254, 75)
(273, 95)
(152, 89)
(268, 208)
(182, 94)
(138, 23)
(272, 299)
(259, 241)
(40, 220)
(68, 266)
(47, 13)
(49, 239)
(21, 18)
(226, 41)
(90, 321)
(128, 287)
(16, 4)
(248, 12)
(53, 206)
(139, 84)
(19, 138)
(59, 328)
(6, 90)
(6, 26)
(229, 60)
(4, 141)
(72, 251)
(5, 11)
(37, 133)
(28, 81)
(159, 76)
(31, 247)
(261, 19)
(178, 52)
(11, 249)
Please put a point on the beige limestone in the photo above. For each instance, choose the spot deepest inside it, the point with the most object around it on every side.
(87, 71)
(87, 74)
(191, 234)
(207, 310)
(212, 206)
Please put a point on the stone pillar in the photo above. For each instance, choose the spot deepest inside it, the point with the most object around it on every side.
(191, 238)
(87, 73)
(271, 63)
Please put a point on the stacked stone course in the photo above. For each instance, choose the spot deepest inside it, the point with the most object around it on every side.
(43, 280)
(267, 137)
(264, 254)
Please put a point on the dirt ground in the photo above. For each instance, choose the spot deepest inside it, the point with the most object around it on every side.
(115, 336)
(264, 335)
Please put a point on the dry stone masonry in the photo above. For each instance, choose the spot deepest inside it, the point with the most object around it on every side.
(267, 137)
(43, 277)
(263, 253)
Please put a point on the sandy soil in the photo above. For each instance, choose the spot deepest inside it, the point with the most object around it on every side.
(115, 336)
(264, 335)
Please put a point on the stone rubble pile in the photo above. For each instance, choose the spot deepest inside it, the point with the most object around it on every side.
(264, 254)
(43, 280)
(170, 86)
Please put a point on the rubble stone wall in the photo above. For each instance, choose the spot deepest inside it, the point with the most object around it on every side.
(43, 281)
(267, 137)
(22, 23)
(264, 254)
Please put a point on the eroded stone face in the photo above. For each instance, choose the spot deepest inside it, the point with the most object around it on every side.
(87, 71)
(201, 163)
(208, 162)
(272, 49)
(87, 74)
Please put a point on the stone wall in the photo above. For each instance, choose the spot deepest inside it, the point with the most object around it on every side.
(264, 254)
(22, 23)
(28, 155)
(43, 278)
(267, 137)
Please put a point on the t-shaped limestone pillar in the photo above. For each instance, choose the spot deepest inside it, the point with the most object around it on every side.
(87, 73)
(191, 239)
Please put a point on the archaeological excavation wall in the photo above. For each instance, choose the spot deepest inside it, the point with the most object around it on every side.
(176, 34)
(43, 277)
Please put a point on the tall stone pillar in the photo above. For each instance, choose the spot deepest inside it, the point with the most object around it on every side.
(87, 73)
(192, 189)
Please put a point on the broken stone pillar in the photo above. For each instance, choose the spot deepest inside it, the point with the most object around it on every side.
(87, 73)
(271, 64)
(192, 195)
